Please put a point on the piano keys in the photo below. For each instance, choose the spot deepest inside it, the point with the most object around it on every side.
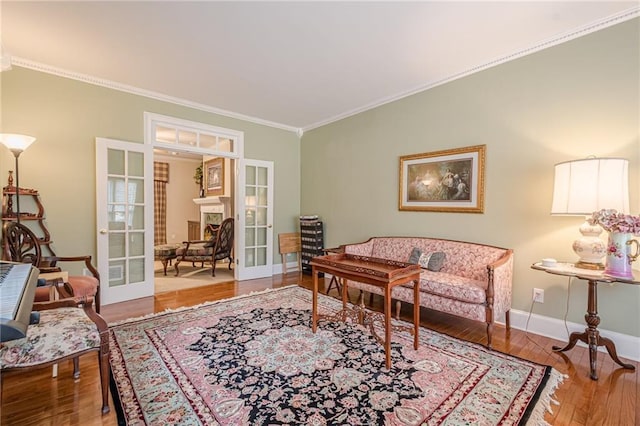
(17, 291)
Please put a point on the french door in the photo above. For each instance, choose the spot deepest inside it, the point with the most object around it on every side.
(254, 220)
(124, 196)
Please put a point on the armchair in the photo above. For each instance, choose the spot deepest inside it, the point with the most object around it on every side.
(218, 247)
(22, 245)
(65, 331)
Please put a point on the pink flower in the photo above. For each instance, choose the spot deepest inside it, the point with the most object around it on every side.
(612, 221)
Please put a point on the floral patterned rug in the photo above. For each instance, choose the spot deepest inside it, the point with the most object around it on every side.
(253, 360)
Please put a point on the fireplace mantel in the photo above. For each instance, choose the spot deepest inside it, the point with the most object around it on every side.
(212, 205)
(208, 200)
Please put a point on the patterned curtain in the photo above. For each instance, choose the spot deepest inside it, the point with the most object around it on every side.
(160, 180)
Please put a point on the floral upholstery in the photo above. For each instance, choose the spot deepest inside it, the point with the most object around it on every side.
(196, 252)
(165, 250)
(453, 286)
(61, 332)
(475, 281)
(218, 247)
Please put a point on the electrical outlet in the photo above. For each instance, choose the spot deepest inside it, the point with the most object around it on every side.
(538, 295)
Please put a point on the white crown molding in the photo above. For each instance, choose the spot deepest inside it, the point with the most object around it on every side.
(299, 131)
(582, 31)
(36, 66)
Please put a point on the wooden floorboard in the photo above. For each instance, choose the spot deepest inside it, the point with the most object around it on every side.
(35, 398)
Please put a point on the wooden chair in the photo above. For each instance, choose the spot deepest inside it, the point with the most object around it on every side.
(290, 243)
(68, 328)
(218, 247)
(22, 245)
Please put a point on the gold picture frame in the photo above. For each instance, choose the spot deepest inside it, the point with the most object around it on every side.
(214, 177)
(443, 181)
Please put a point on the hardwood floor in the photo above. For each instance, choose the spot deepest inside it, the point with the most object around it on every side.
(35, 398)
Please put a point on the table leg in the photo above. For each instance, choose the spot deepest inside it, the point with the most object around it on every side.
(416, 314)
(345, 293)
(591, 335)
(387, 325)
(611, 349)
(314, 315)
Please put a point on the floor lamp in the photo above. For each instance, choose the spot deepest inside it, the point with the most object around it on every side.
(16, 144)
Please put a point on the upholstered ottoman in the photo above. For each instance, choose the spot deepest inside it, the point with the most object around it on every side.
(165, 253)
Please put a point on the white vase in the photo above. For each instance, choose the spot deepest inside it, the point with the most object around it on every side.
(619, 257)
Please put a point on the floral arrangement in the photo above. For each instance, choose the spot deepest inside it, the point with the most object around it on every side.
(612, 221)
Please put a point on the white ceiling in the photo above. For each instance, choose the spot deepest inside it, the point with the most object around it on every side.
(294, 65)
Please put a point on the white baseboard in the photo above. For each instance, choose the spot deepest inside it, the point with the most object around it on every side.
(626, 346)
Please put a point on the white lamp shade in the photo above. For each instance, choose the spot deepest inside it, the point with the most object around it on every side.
(16, 142)
(582, 187)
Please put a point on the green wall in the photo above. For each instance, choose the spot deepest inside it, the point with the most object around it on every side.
(570, 101)
(567, 102)
(67, 115)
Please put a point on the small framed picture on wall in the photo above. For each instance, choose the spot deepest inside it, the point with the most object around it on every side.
(214, 177)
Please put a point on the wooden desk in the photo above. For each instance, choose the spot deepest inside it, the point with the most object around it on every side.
(591, 335)
(379, 272)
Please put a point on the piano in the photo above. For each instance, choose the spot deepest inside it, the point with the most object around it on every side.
(17, 290)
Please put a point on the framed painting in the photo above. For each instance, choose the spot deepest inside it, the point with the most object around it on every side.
(443, 181)
(214, 177)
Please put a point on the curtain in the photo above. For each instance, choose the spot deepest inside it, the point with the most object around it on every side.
(160, 180)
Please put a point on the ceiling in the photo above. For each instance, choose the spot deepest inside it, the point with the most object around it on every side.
(292, 65)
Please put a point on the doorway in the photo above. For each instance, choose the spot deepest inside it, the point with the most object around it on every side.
(187, 212)
(131, 249)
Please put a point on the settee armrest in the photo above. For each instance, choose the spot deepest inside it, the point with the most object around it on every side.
(362, 249)
(499, 289)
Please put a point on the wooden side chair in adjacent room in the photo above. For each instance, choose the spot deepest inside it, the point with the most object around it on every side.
(67, 329)
(290, 243)
(22, 245)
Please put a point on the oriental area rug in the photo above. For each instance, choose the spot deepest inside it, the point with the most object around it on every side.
(253, 360)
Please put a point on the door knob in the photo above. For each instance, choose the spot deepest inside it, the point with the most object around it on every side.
(103, 231)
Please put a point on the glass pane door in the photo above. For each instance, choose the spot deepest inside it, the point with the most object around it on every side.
(125, 237)
(257, 219)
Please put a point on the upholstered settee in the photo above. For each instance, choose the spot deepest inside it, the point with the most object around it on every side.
(468, 280)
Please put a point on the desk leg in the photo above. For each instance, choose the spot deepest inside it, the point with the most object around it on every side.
(591, 335)
(387, 325)
(345, 297)
(314, 315)
(416, 314)
(345, 293)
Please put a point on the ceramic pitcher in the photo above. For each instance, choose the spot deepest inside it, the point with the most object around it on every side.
(619, 254)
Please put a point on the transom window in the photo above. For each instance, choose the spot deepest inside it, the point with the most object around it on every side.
(175, 134)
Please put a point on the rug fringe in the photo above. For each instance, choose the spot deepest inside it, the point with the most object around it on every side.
(546, 399)
(185, 308)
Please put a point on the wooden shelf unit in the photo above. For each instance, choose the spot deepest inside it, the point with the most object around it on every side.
(312, 240)
(9, 193)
